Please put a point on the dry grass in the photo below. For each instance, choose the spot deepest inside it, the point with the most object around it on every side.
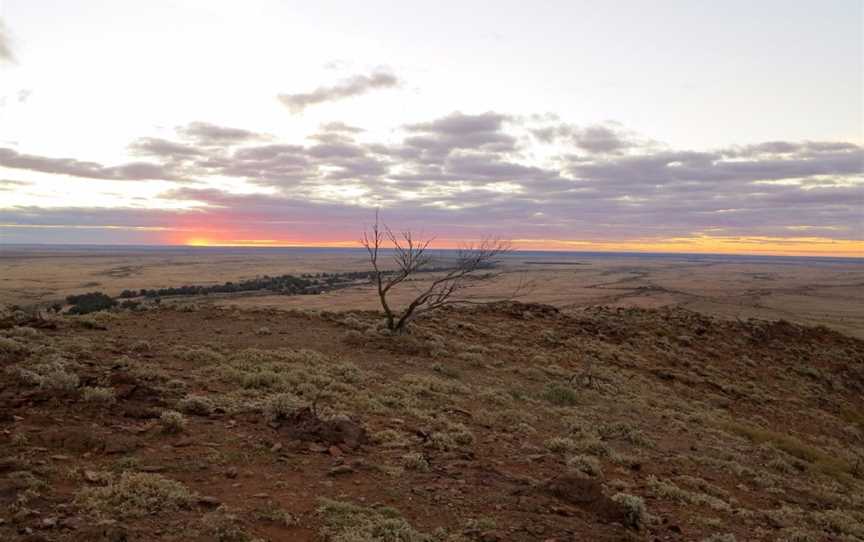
(135, 494)
(346, 522)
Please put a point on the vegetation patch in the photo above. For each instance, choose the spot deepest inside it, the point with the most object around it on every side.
(827, 464)
(346, 522)
(135, 494)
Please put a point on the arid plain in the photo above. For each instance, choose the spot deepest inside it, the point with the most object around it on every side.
(812, 291)
(618, 398)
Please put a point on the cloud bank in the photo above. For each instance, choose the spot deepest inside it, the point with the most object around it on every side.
(465, 175)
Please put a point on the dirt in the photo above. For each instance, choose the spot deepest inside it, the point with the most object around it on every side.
(758, 422)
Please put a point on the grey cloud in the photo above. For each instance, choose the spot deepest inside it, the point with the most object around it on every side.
(787, 148)
(438, 138)
(670, 166)
(69, 166)
(353, 86)
(154, 146)
(460, 124)
(608, 138)
(208, 134)
(340, 127)
(601, 139)
(491, 169)
(294, 153)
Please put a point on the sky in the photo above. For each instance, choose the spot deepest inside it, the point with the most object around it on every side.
(680, 126)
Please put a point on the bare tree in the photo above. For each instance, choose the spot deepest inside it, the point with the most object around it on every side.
(472, 266)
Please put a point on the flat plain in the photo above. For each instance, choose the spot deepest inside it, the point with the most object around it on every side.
(813, 291)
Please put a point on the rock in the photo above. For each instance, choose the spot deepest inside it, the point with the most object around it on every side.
(536, 529)
(231, 473)
(9, 464)
(104, 531)
(340, 470)
(335, 451)
(71, 523)
(210, 502)
(184, 442)
(119, 446)
(276, 447)
(586, 493)
(304, 424)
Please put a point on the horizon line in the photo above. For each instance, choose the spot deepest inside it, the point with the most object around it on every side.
(517, 250)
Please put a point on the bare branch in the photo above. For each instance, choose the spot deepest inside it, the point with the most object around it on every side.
(411, 255)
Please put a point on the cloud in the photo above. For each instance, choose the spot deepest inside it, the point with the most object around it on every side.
(458, 131)
(6, 52)
(353, 86)
(340, 127)
(207, 134)
(10, 158)
(607, 138)
(154, 146)
(808, 148)
(466, 173)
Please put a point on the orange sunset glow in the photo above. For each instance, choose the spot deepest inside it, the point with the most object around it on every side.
(704, 244)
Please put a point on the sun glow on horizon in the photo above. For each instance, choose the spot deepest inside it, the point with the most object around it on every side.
(700, 244)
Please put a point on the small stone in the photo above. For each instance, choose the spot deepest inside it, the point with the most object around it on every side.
(184, 443)
(49, 523)
(261, 495)
(335, 451)
(276, 447)
(536, 529)
(231, 473)
(212, 502)
(340, 470)
(317, 448)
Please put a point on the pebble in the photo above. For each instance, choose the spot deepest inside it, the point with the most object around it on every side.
(209, 501)
(340, 470)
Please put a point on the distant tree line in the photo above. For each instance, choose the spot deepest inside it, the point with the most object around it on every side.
(90, 302)
(285, 284)
(307, 283)
(288, 284)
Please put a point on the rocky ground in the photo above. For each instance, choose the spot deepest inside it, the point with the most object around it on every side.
(510, 422)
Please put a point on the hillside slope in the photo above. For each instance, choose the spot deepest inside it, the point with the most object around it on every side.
(509, 422)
